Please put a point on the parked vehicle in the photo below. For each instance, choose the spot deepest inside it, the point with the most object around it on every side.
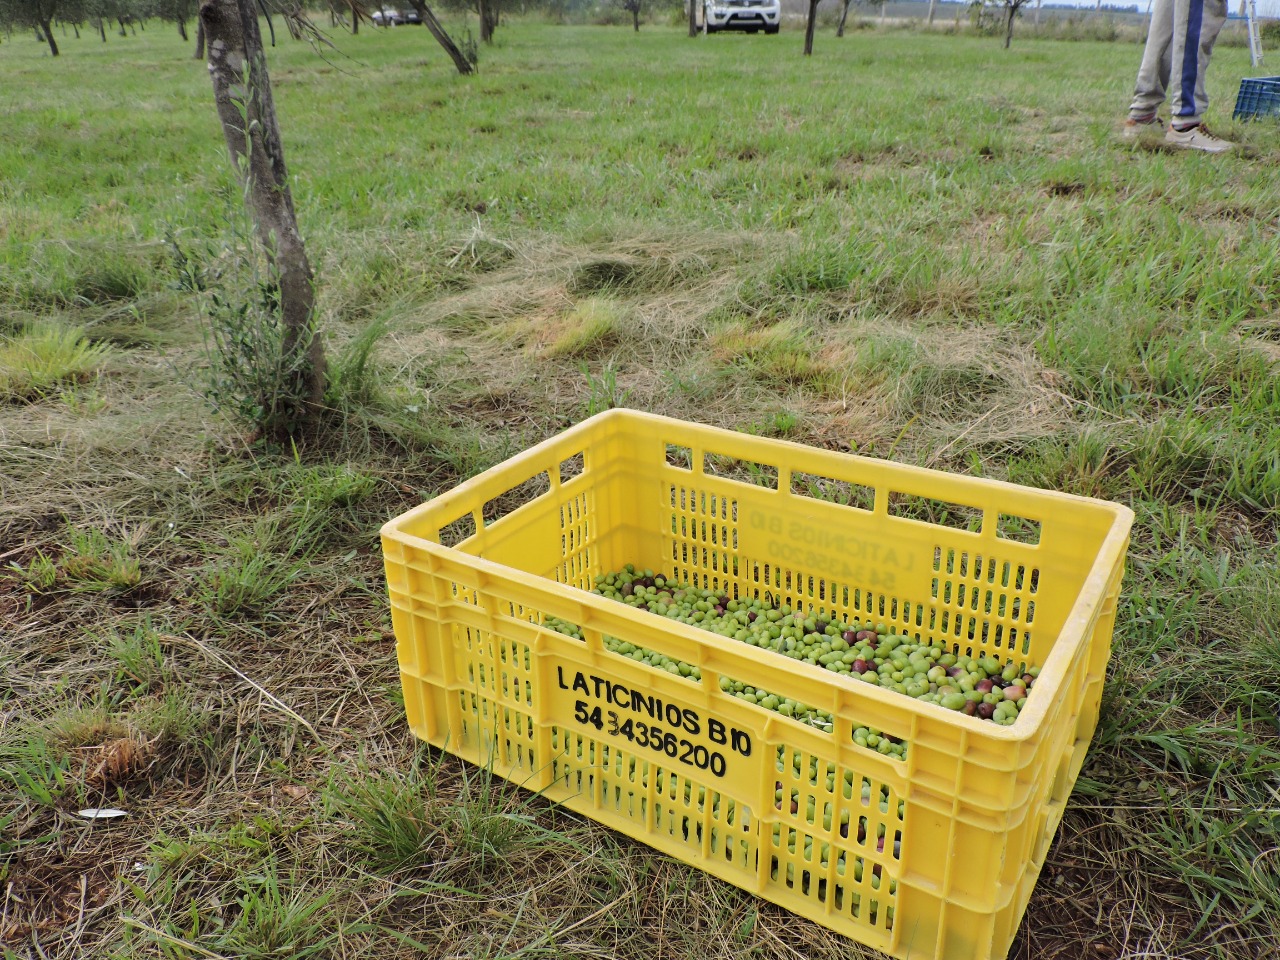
(749, 15)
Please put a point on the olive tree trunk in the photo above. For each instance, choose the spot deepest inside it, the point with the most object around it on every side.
(809, 26)
(933, 6)
(483, 8)
(47, 27)
(1008, 25)
(693, 18)
(242, 94)
(442, 37)
(199, 39)
(844, 15)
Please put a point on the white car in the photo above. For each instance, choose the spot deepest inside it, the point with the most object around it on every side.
(749, 15)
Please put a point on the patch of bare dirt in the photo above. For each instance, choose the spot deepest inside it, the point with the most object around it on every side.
(50, 892)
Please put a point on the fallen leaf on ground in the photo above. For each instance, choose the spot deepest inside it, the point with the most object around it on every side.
(101, 813)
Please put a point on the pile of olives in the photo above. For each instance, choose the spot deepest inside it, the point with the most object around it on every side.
(983, 687)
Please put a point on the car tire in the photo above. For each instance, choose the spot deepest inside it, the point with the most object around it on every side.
(770, 31)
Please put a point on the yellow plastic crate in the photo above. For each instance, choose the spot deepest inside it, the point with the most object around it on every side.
(676, 763)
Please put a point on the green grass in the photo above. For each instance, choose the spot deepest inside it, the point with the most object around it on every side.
(914, 246)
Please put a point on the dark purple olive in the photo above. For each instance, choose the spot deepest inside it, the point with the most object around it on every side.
(723, 601)
(986, 710)
(821, 626)
(751, 616)
(983, 686)
(850, 636)
(970, 708)
(1028, 680)
(861, 665)
(954, 671)
(719, 611)
(866, 635)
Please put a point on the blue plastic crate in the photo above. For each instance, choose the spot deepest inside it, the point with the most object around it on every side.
(1258, 97)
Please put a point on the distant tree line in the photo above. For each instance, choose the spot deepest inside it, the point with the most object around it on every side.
(103, 17)
(97, 15)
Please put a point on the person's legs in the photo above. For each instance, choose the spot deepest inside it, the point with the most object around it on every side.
(1153, 74)
(1196, 24)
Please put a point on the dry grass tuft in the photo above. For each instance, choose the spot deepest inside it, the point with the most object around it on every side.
(967, 385)
(117, 761)
(1263, 336)
(784, 353)
(591, 326)
(45, 357)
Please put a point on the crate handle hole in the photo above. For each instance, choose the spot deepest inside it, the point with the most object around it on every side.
(461, 530)
(1018, 529)
(751, 472)
(679, 457)
(844, 493)
(571, 467)
(942, 513)
(514, 499)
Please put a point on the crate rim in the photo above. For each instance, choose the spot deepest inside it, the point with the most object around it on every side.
(1123, 513)
(1026, 727)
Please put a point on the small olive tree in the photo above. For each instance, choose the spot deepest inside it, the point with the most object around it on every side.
(464, 64)
(1012, 8)
(489, 12)
(844, 15)
(1008, 11)
(633, 7)
(177, 12)
(246, 109)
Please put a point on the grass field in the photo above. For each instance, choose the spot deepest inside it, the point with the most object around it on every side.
(917, 247)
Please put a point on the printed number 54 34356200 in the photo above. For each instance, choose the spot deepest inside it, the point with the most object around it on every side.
(651, 736)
